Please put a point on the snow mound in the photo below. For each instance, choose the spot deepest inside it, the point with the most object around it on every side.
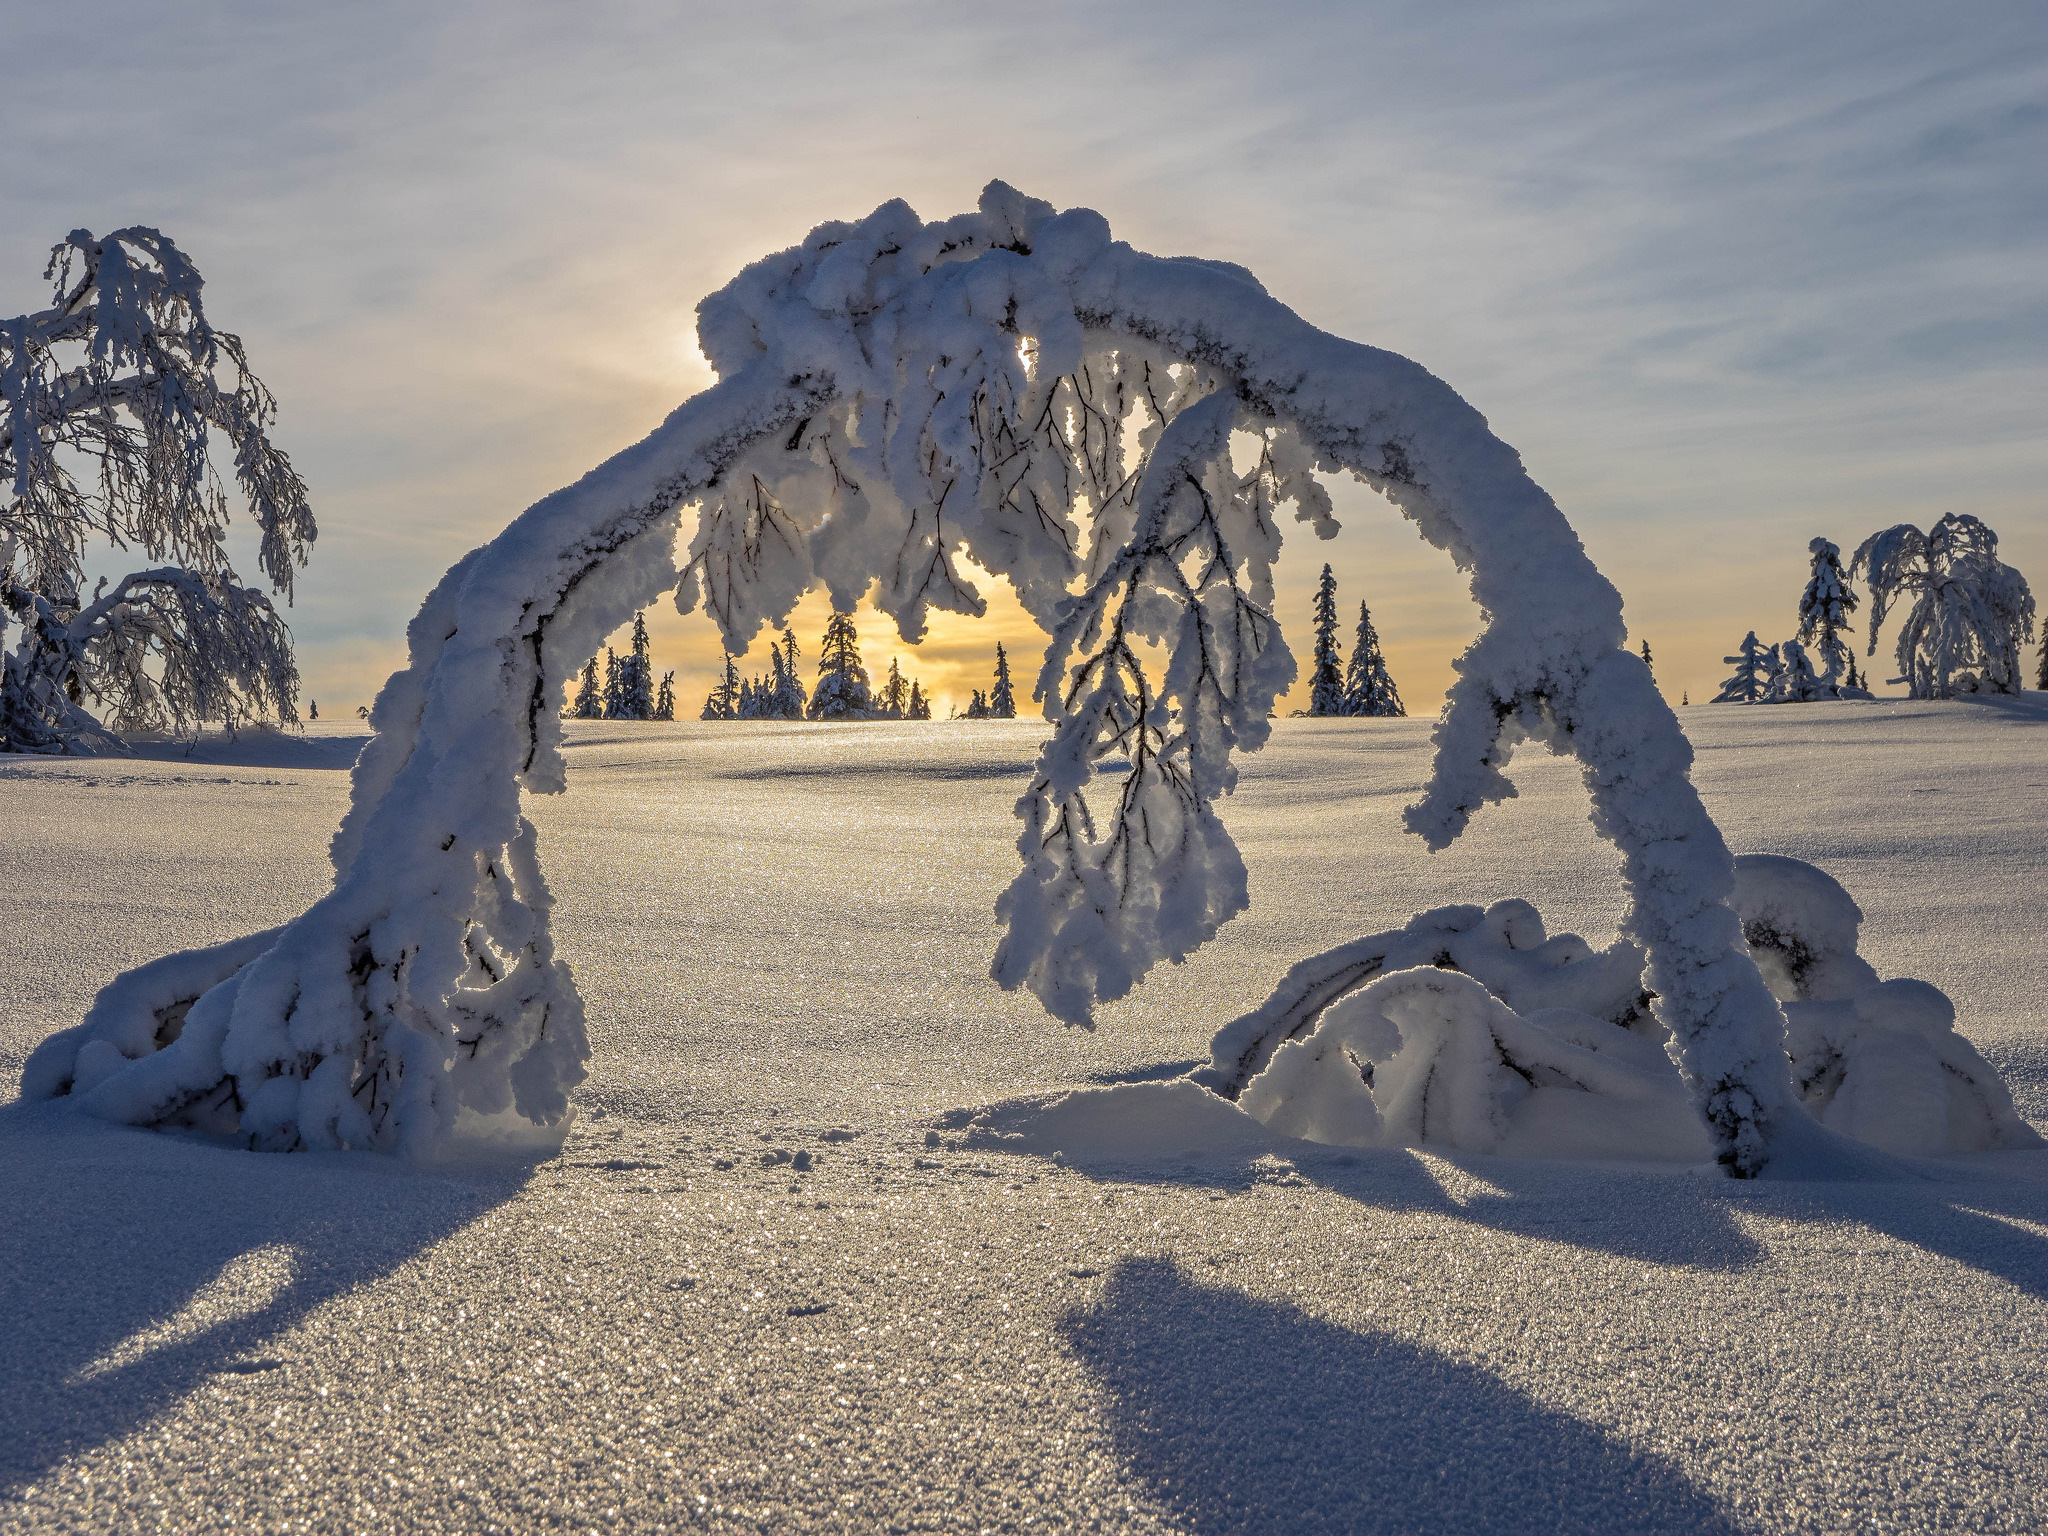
(1504, 945)
(1129, 1122)
(1476, 1051)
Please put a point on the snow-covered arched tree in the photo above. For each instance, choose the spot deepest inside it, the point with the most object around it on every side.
(111, 402)
(1368, 689)
(1326, 682)
(895, 396)
(1972, 613)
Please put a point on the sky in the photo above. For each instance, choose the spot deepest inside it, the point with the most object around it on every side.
(1728, 277)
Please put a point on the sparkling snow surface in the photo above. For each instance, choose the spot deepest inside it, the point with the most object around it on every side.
(769, 1287)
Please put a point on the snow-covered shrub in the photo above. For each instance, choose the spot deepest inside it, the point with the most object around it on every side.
(1971, 615)
(1476, 1049)
(111, 401)
(1429, 1057)
(1879, 1061)
(895, 396)
(1504, 946)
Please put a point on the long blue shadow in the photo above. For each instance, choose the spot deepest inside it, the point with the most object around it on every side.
(1244, 1416)
(106, 1234)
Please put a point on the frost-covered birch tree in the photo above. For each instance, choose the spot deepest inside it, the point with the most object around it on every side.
(113, 403)
(1971, 614)
(895, 398)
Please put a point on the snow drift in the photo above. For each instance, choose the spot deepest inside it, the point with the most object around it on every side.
(1508, 1042)
(1014, 386)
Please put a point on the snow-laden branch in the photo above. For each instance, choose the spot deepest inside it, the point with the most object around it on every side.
(1009, 387)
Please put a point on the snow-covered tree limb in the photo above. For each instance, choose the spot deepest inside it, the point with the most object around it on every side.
(1013, 387)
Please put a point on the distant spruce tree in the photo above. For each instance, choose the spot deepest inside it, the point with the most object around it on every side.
(313, 713)
(920, 706)
(589, 703)
(1797, 682)
(790, 696)
(723, 702)
(1648, 662)
(1002, 703)
(636, 676)
(842, 691)
(895, 695)
(2041, 677)
(977, 706)
(1368, 689)
(665, 698)
(1326, 683)
(613, 698)
(1824, 609)
(1752, 678)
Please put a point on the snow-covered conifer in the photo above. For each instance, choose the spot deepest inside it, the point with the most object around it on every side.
(790, 697)
(723, 703)
(1326, 683)
(1648, 662)
(894, 394)
(842, 691)
(1972, 613)
(1797, 681)
(895, 696)
(612, 696)
(665, 698)
(1824, 609)
(589, 703)
(636, 676)
(977, 705)
(123, 378)
(1002, 699)
(920, 706)
(1751, 677)
(1368, 689)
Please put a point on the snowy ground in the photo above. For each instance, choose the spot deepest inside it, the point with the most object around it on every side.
(782, 934)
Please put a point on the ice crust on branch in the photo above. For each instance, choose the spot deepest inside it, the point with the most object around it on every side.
(1012, 387)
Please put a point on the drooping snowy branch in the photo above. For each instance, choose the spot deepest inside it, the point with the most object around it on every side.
(1013, 389)
(1971, 612)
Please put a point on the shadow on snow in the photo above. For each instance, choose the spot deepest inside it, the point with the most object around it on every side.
(1243, 1415)
(109, 1234)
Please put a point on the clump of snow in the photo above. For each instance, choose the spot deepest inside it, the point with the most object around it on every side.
(1353, 1052)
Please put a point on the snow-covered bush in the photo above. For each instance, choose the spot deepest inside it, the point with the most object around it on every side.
(1508, 1042)
(111, 401)
(1971, 615)
(895, 396)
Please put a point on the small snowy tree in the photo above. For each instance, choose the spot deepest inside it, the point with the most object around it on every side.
(589, 703)
(1824, 609)
(612, 695)
(723, 702)
(790, 697)
(920, 706)
(1971, 615)
(665, 698)
(1751, 681)
(1002, 699)
(895, 697)
(1648, 662)
(842, 691)
(1797, 682)
(636, 676)
(111, 403)
(1326, 683)
(1368, 689)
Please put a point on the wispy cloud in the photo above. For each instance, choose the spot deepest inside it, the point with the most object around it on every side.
(1728, 276)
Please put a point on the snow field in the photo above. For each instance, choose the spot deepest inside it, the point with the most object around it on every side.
(782, 934)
